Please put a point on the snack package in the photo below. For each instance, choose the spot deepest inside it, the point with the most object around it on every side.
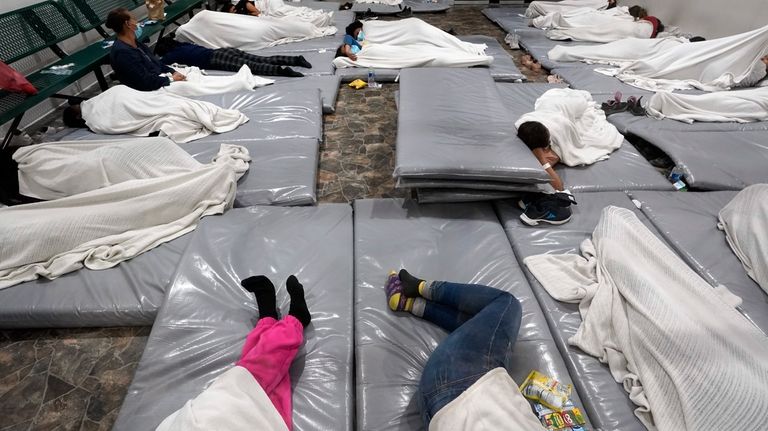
(569, 419)
(545, 390)
(358, 84)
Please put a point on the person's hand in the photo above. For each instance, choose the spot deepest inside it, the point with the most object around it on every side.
(352, 57)
(179, 77)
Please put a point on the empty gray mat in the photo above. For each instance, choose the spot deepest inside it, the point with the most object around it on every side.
(417, 6)
(536, 42)
(688, 221)
(601, 86)
(507, 18)
(626, 169)
(206, 316)
(605, 401)
(502, 69)
(714, 160)
(128, 294)
(452, 123)
(281, 171)
(461, 243)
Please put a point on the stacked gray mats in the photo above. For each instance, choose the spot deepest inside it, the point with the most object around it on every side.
(127, 295)
(417, 6)
(626, 169)
(452, 124)
(605, 401)
(688, 221)
(206, 316)
(628, 123)
(502, 69)
(462, 243)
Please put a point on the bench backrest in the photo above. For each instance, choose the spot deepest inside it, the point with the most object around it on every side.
(90, 14)
(31, 29)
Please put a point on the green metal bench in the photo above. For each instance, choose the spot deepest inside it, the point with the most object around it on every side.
(32, 29)
(91, 15)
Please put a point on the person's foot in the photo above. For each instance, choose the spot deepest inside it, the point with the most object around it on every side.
(396, 299)
(550, 208)
(346, 6)
(264, 290)
(411, 284)
(302, 62)
(287, 71)
(554, 79)
(298, 308)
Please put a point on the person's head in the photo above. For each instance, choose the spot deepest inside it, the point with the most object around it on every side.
(165, 45)
(638, 12)
(73, 117)
(228, 7)
(121, 21)
(612, 4)
(534, 135)
(697, 39)
(765, 59)
(354, 29)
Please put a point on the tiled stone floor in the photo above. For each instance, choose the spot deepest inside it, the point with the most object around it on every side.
(76, 379)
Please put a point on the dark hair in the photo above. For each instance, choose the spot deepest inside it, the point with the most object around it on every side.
(533, 134)
(117, 19)
(340, 51)
(638, 12)
(697, 39)
(73, 117)
(165, 45)
(660, 28)
(354, 26)
(612, 5)
(228, 7)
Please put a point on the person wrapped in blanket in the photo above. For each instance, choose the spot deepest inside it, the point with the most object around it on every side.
(242, 7)
(641, 14)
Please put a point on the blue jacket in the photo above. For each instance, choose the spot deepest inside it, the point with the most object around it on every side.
(137, 67)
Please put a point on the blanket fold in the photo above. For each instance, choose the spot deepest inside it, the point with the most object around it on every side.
(741, 106)
(540, 8)
(648, 316)
(198, 84)
(615, 53)
(278, 9)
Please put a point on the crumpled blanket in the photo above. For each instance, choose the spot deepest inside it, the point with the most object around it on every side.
(649, 317)
(541, 8)
(100, 228)
(579, 132)
(741, 106)
(198, 84)
(122, 110)
(745, 223)
(412, 42)
(711, 65)
(249, 33)
(615, 53)
(278, 9)
(599, 26)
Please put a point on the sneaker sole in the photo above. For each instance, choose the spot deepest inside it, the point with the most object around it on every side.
(532, 222)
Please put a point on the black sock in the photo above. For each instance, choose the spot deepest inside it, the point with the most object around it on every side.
(302, 62)
(264, 291)
(287, 71)
(298, 308)
(410, 284)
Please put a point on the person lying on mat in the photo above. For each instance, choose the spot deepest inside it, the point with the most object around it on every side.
(133, 62)
(278, 9)
(465, 384)
(540, 8)
(242, 7)
(255, 394)
(229, 59)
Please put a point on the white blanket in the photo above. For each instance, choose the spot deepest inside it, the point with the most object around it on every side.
(541, 8)
(741, 106)
(711, 65)
(249, 33)
(198, 84)
(580, 17)
(412, 42)
(615, 53)
(599, 26)
(386, 2)
(122, 110)
(278, 9)
(745, 222)
(103, 227)
(649, 316)
(579, 132)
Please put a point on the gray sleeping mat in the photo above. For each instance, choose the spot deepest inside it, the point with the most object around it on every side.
(605, 401)
(502, 69)
(536, 42)
(628, 123)
(452, 123)
(206, 316)
(417, 6)
(507, 18)
(462, 243)
(626, 169)
(602, 87)
(128, 294)
(688, 221)
(426, 195)
(714, 160)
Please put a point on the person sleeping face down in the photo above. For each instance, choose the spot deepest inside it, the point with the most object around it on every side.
(353, 41)
(536, 137)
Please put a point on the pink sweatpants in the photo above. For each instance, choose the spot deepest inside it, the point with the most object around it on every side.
(268, 353)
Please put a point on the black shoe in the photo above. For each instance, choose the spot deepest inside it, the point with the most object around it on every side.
(407, 12)
(550, 208)
(346, 6)
(634, 106)
(368, 14)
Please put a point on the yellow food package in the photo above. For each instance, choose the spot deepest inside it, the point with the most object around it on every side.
(358, 84)
(545, 390)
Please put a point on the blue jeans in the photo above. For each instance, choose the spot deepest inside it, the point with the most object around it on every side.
(484, 323)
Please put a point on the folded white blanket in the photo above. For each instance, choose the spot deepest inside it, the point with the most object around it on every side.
(615, 53)
(712, 65)
(198, 84)
(599, 26)
(579, 132)
(741, 106)
(412, 42)
(59, 169)
(649, 316)
(225, 30)
(745, 222)
(122, 110)
(103, 227)
(278, 9)
(540, 8)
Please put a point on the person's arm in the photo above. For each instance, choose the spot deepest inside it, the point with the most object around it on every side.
(348, 52)
(131, 69)
(252, 9)
(548, 163)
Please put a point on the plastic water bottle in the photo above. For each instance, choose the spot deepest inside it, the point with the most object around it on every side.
(676, 177)
(372, 79)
